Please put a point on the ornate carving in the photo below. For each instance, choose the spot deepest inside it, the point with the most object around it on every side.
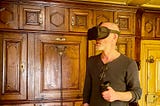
(32, 18)
(101, 18)
(6, 16)
(57, 19)
(12, 84)
(122, 48)
(81, 20)
(148, 26)
(124, 23)
(158, 27)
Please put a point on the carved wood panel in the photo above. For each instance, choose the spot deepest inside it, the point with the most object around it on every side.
(8, 16)
(151, 25)
(102, 16)
(19, 105)
(32, 17)
(50, 63)
(158, 26)
(78, 103)
(55, 104)
(126, 22)
(14, 66)
(80, 20)
(126, 46)
(148, 25)
(57, 18)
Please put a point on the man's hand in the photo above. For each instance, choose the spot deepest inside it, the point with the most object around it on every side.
(85, 104)
(111, 95)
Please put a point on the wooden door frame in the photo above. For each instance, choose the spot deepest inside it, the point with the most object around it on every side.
(143, 70)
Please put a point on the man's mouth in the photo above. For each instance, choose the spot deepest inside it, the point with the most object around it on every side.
(98, 43)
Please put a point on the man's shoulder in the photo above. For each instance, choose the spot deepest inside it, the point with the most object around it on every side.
(94, 57)
(125, 59)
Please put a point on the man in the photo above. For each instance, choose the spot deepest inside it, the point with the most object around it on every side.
(111, 78)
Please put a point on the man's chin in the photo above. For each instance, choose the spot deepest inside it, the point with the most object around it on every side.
(99, 48)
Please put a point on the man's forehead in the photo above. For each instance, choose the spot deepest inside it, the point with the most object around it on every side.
(110, 26)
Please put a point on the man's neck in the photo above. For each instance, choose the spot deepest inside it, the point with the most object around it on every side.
(108, 56)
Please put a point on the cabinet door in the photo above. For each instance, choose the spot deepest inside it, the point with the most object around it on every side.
(102, 16)
(150, 25)
(57, 18)
(13, 62)
(8, 16)
(59, 58)
(78, 103)
(55, 104)
(124, 45)
(32, 17)
(80, 20)
(126, 21)
(92, 48)
(127, 46)
(158, 26)
(19, 105)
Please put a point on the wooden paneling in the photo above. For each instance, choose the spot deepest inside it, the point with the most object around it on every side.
(19, 105)
(8, 16)
(126, 21)
(50, 62)
(55, 104)
(80, 20)
(43, 48)
(149, 73)
(102, 16)
(151, 25)
(13, 66)
(158, 26)
(57, 18)
(126, 46)
(32, 17)
(148, 28)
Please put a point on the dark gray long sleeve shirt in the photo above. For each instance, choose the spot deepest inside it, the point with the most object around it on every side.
(123, 75)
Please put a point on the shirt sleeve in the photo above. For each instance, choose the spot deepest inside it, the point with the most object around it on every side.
(133, 83)
(87, 86)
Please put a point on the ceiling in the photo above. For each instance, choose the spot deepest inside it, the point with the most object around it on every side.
(142, 3)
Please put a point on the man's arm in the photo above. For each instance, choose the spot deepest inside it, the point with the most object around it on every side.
(133, 92)
(111, 95)
(85, 104)
(87, 87)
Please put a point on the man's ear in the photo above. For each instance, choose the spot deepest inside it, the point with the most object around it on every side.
(115, 37)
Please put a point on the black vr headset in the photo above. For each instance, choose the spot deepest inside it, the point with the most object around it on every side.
(99, 32)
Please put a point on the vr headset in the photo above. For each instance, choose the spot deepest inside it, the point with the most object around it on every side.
(99, 32)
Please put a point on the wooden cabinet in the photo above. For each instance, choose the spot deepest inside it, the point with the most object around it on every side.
(80, 20)
(126, 21)
(55, 67)
(102, 16)
(150, 25)
(78, 103)
(126, 46)
(59, 104)
(43, 48)
(19, 105)
(57, 18)
(55, 104)
(32, 17)
(8, 16)
(59, 56)
(13, 62)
